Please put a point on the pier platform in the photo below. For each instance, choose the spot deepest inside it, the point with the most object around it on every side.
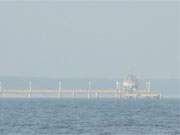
(78, 93)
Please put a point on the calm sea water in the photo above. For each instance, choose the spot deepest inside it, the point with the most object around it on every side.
(89, 117)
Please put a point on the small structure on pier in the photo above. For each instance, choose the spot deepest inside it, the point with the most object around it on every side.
(131, 89)
(130, 83)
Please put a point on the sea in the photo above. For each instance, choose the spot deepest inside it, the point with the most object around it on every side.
(48, 116)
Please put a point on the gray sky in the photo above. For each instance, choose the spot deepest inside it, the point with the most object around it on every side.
(86, 39)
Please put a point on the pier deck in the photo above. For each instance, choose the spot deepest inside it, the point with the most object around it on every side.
(78, 93)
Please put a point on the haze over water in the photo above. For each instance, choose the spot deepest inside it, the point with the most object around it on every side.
(89, 39)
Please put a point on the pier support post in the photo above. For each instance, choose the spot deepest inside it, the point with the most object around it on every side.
(73, 93)
(30, 89)
(89, 88)
(1, 91)
(59, 89)
(148, 86)
(96, 94)
(88, 95)
(160, 96)
(117, 89)
(119, 93)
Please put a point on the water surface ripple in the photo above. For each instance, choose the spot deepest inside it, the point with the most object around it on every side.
(89, 117)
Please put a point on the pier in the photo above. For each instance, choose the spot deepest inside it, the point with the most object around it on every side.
(77, 93)
(129, 89)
